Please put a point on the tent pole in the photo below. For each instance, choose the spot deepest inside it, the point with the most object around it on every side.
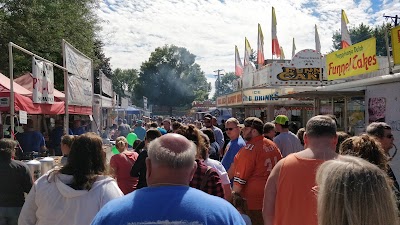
(12, 100)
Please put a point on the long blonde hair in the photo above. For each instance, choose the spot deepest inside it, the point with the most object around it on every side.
(352, 191)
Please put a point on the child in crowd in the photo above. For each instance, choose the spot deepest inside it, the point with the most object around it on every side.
(241, 205)
(66, 143)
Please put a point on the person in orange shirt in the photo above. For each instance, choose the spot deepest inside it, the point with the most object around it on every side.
(289, 197)
(252, 166)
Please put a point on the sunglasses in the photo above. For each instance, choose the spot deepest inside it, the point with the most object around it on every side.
(230, 128)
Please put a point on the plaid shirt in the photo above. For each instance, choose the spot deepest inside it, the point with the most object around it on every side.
(213, 185)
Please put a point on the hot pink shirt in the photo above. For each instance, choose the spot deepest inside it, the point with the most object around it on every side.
(122, 164)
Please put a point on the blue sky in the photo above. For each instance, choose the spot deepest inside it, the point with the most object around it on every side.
(132, 29)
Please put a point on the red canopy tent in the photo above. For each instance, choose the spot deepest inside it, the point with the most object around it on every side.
(23, 100)
(26, 81)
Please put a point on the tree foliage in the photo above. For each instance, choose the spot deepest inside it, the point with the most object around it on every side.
(225, 85)
(362, 33)
(40, 25)
(124, 81)
(170, 77)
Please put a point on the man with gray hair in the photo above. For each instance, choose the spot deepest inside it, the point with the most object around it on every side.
(288, 197)
(168, 199)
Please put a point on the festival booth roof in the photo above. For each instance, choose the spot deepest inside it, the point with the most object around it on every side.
(23, 101)
(129, 110)
(26, 81)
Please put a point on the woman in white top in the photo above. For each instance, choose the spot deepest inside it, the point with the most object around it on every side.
(223, 175)
(74, 193)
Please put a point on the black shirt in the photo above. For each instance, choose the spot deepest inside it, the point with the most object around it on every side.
(16, 181)
(139, 169)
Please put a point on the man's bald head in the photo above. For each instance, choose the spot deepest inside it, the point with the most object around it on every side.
(172, 150)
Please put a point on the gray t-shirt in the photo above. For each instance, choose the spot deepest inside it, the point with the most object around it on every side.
(288, 143)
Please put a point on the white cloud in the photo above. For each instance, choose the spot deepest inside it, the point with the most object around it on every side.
(132, 29)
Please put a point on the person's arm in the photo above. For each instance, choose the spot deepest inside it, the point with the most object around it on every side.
(28, 211)
(220, 140)
(27, 180)
(270, 195)
(243, 168)
(113, 166)
(231, 171)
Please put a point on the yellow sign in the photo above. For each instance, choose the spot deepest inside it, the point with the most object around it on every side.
(396, 44)
(354, 60)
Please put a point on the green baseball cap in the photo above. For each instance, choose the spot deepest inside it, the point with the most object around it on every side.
(281, 119)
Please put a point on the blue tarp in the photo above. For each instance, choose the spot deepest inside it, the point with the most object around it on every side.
(129, 110)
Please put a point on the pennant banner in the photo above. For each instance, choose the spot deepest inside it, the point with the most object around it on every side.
(247, 52)
(238, 63)
(293, 49)
(260, 50)
(346, 40)
(357, 59)
(43, 82)
(317, 41)
(275, 43)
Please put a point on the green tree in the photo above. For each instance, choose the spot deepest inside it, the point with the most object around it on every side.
(124, 82)
(170, 77)
(226, 86)
(362, 33)
(40, 25)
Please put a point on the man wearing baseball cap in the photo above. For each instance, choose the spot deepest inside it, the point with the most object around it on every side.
(252, 166)
(219, 136)
(286, 141)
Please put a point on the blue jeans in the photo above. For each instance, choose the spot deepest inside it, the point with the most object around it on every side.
(9, 215)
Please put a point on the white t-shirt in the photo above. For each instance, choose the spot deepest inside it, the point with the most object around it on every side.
(223, 175)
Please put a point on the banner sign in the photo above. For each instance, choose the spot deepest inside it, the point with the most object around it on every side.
(77, 64)
(23, 117)
(260, 96)
(396, 44)
(4, 101)
(144, 103)
(357, 59)
(43, 82)
(124, 103)
(80, 77)
(80, 92)
(106, 84)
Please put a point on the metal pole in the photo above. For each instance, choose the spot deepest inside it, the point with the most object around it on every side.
(66, 92)
(36, 56)
(101, 100)
(12, 102)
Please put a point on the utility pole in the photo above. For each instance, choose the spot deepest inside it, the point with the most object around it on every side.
(218, 86)
(395, 19)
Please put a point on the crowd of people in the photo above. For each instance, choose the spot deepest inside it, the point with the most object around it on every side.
(202, 172)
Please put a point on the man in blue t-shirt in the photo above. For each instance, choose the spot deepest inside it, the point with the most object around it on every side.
(31, 140)
(139, 130)
(168, 199)
(232, 128)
